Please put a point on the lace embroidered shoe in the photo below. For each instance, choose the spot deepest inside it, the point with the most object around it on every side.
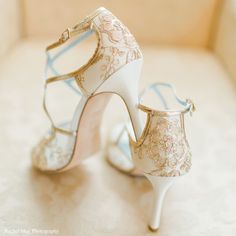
(113, 69)
(161, 153)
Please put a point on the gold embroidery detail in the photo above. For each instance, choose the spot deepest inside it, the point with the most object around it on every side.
(57, 156)
(118, 46)
(164, 146)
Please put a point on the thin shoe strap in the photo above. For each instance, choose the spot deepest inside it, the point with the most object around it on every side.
(187, 103)
(52, 59)
(67, 78)
(75, 30)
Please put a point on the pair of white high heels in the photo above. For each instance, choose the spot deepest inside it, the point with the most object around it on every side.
(158, 149)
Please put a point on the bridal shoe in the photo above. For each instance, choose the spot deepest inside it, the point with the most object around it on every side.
(113, 69)
(161, 153)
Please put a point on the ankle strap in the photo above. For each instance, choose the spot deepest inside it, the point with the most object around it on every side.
(188, 104)
(75, 30)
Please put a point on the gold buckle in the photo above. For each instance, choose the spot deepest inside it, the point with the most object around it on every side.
(192, 106)
(65, 35)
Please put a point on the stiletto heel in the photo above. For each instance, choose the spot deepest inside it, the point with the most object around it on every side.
(162, 151)
(124, 83)
(160, 187)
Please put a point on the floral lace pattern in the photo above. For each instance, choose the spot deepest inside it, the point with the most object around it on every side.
(49, 155)
(164, 149)
(117, 47)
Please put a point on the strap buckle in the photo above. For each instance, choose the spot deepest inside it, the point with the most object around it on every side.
(70, 31)
(192, 106)
(65, 35)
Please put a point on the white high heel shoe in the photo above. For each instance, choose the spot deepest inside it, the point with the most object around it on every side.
(161, 153)
(113, 69)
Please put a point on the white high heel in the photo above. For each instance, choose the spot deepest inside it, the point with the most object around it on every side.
(161, 153)
(113, 69)
(160, 187)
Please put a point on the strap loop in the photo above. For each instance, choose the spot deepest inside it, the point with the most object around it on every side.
(65, 35)
(192, 107)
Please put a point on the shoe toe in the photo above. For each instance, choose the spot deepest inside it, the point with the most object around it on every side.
(49, 155)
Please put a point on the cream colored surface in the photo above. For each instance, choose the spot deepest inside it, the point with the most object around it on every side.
(94, 199)
(10, 26)
(225, 43)
(185, 22)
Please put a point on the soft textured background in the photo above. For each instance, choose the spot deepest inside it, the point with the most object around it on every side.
(188, 43)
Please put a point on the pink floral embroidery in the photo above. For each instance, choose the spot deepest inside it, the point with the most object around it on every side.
(166, 146)
(118, 46)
